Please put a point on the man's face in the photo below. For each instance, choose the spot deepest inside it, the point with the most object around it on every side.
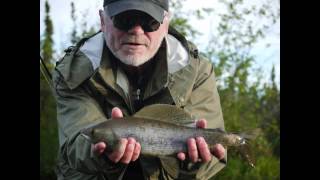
(135, 46)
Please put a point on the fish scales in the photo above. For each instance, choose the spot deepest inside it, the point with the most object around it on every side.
(159, 130)
(156, 138)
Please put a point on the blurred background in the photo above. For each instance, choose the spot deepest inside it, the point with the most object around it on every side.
(240, 37)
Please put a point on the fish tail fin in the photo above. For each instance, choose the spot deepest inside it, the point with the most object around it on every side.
(246, 153)
(245, 149)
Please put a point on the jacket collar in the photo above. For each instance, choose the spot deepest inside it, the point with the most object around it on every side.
(115, 77)
(172, 56)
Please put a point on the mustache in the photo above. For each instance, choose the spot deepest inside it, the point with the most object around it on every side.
(134, 40)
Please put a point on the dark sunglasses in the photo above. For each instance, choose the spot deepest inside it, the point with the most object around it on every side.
(127, 20)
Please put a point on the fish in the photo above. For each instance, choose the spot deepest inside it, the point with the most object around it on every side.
(157, 129)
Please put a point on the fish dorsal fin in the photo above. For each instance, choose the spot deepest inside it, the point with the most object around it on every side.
(165, 112)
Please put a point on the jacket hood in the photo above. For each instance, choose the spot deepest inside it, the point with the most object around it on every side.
(79, 65)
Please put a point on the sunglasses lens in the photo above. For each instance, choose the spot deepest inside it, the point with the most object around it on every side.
(126, 21)
(122, 23)
(153, 25)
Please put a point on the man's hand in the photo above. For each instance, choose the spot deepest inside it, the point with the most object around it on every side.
(128, 149)
(198, 143)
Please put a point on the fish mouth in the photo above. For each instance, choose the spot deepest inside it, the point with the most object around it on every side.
(86, 137)
(87, 132)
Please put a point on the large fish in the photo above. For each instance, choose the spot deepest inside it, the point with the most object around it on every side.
(159, 130)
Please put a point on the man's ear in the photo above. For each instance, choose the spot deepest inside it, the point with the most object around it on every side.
(102, 18)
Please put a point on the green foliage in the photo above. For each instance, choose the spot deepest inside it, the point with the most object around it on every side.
(247, 109)
(85, 31)
(48, 122)
(247, 105)
(178, 20)
(266, 168)
(74, 37)
(242, 26)
(47, 42)
(48, 130)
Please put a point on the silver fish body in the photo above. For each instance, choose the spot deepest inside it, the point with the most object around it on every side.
(151, 128)
(157, 138)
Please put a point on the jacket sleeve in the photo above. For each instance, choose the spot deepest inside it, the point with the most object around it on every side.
(76, 110)
(204, 102)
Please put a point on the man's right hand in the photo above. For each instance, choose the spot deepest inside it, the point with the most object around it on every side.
(128, 149)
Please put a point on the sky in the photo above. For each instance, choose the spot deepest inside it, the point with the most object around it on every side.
(60, 14)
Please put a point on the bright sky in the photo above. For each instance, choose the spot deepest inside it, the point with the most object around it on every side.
(60, 14)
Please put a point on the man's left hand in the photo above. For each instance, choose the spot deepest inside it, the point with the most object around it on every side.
(198, 149)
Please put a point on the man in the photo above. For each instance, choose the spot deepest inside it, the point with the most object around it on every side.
(136, 60)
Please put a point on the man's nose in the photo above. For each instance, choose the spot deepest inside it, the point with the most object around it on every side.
(137, 29)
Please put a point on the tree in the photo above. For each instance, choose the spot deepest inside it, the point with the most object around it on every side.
(47, 48)
(246, 105)
(48, 125)
(74, 38)
(85, 30)
(48, 122)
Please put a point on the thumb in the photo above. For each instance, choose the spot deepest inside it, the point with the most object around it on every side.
(116, 113)
(201, 123)
(219, 151)
(99, 147)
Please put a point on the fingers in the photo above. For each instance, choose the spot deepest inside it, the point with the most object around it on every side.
(181, 156)
(99, 147)
(203, 149)
(201, 123)
(218, 151)
(127, 150)
(127, 156)
(197, 148)
(136, 151)
(116, 113)
(192, 150)
(117, 154)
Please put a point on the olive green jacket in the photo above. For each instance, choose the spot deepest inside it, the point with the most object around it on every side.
(88, 85)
